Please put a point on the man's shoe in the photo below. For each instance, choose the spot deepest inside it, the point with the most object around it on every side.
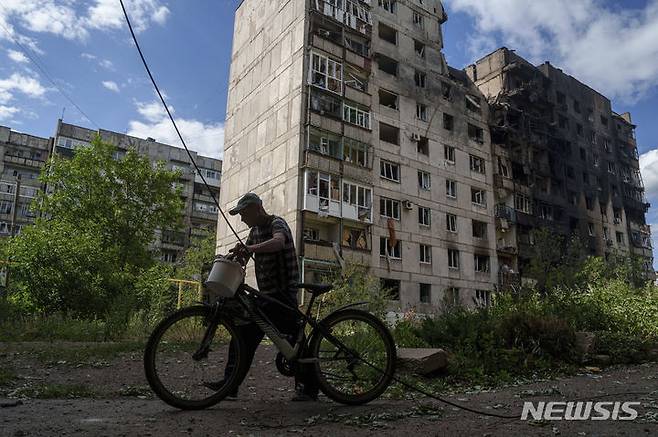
(217, 386)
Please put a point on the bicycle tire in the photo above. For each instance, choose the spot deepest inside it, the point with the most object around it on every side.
(388, 369)
(150, 357)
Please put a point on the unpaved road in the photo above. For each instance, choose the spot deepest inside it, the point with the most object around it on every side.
(116, 402)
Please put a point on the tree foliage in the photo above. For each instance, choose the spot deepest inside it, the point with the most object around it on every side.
(91, 242)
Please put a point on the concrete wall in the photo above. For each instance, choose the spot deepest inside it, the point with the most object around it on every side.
(264, 112)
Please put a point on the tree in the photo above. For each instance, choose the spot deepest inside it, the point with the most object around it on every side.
(124, 199)
(201, 252)
(556, 260)
(98, 218)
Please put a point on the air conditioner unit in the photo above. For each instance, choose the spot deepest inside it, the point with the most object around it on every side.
(407, 204)
(415, 137)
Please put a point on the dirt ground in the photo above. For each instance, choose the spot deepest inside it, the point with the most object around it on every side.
(75, 389)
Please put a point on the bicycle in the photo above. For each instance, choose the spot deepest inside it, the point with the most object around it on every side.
(351, 352)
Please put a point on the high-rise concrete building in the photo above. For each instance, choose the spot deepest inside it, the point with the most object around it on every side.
(344, 117)
(564, 160)
(23, 157)
(200, 213)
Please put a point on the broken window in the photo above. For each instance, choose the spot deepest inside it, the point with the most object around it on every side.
(419, 48)
(579, 129)
(324, 142)
(388, 133)
(472, 103)
(421, 111)
(451, 188)
(481, 263)
(386, 248)
(451, 222)
(355, 239)
(478, 197)
(604, 120)
(389, 170)
(570, 172)
(502, 168)
(449, 154)
(354, 194)
(448, 122)
(355, 79)
(522, 203)
(388, 34)
(479, 230)
(446, 90)
(326, 73)
(387, 65)
(453, 259)
(357, 116)
(477, 164)
(418, 20)
(388, 99)
(545, 212)
(423, 146)
(388, 5)
(424, 180)
(420, 79)
(589, 203)
(311, 234)
(424, 216)
(355, 152)
(358, 45)
(325, 104)
(425, 258)
(476, 133)
(576, 106)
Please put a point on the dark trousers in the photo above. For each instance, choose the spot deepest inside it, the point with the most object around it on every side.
(287, 322)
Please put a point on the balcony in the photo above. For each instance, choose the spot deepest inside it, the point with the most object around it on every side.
(503, 182)
(330, 195)
(503, 211)
(22, 161)
(506, 246)
(348, 12)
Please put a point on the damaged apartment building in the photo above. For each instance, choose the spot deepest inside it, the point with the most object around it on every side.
(344, 117)
(563, 160)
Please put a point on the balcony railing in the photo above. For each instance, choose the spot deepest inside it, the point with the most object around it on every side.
(505, 212)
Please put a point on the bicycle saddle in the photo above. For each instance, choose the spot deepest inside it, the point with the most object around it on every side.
(315, 289)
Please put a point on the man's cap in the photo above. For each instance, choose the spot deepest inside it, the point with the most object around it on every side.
(246, 200)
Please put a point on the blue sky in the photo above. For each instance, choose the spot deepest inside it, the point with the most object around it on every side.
(84, 47)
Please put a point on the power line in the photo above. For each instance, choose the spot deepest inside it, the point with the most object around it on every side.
(164, 103)
(27, 52)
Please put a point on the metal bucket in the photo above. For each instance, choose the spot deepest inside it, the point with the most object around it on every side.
(224, 279)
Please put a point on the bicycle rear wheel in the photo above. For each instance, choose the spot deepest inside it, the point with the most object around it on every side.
(186, 352)
(356, 361)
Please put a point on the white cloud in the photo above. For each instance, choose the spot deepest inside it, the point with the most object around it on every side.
(207, 139)
(8, 111)
(649, 170)
(107, 14)
(17, 56)
(111, 85)
(586, 38)
(29, 86)
(105, 63)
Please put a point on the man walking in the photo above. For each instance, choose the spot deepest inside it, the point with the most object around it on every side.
(277, 273)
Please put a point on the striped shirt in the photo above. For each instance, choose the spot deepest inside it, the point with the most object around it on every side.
(275, 271)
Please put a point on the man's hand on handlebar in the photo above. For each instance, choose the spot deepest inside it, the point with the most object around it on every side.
(239, 253)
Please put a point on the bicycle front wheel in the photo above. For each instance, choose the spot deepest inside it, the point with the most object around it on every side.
(186, 356)
(355, 355)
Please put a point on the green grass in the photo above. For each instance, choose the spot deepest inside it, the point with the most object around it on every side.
(75, 353)
(7, 375)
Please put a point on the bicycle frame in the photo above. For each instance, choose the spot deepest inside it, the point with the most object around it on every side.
(247, 295)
